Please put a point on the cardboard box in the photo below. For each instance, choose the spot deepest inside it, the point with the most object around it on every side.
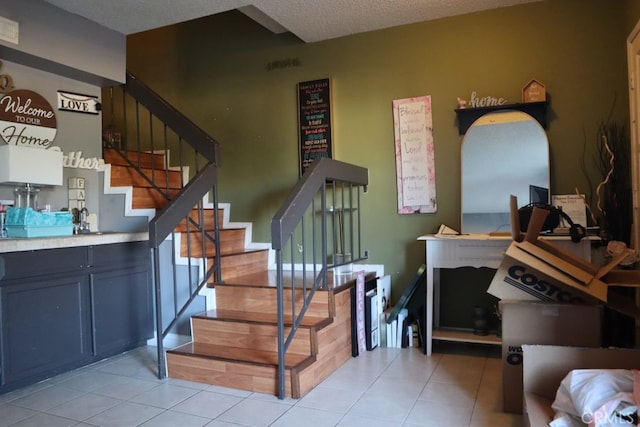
(546, 366)
(537, 269)
(535, 322)
(541, 271)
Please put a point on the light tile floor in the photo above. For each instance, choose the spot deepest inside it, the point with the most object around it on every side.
(458, 385)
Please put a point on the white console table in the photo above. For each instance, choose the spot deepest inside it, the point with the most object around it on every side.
(476, 250)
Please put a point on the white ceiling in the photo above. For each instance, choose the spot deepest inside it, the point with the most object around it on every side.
(310, 20)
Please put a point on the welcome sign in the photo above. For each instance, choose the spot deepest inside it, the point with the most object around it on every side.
(27, 119)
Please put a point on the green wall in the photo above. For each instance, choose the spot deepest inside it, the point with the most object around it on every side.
(632, 12)
(215, 71)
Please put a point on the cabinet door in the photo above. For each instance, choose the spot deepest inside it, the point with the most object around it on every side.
(45, 326)
(122, 309)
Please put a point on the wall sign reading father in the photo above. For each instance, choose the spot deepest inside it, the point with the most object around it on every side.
(27, 119)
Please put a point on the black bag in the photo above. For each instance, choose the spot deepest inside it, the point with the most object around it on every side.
(576, 231)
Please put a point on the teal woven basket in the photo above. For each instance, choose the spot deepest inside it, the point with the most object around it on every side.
(39, 230)
(26, 222)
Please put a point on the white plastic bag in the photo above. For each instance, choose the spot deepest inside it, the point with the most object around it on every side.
(594, 396)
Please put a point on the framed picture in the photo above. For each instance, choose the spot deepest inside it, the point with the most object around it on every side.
(415, 163)
(314, 119)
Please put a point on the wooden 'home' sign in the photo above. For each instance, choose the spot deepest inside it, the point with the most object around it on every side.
(534, 91)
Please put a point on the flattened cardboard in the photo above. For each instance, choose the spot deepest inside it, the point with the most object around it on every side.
(545, 366)
(535, 322)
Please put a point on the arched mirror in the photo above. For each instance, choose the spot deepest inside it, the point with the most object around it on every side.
(504, 152)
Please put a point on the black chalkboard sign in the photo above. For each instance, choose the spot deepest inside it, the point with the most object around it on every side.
(314, 118)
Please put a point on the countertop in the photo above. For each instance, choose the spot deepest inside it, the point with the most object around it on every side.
(91, 239)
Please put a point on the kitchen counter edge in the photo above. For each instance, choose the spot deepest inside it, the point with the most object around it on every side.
(92, 239)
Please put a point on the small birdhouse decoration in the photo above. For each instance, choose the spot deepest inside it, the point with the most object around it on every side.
(534, 91)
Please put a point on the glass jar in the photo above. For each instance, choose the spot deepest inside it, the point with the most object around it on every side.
(3, 229)
(26, 197)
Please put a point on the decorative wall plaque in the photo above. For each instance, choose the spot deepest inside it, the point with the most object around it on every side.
(314, 119)
(79, 103)
(415, 163)
(27, 119)
(534, 91)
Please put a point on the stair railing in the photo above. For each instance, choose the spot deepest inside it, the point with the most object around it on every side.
(316, 235)
(139, 120)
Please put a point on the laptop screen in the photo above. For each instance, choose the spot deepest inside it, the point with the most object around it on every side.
(538, 194)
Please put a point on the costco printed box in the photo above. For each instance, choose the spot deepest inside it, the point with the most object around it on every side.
(536, 322)
(522, 276)
(541, 271)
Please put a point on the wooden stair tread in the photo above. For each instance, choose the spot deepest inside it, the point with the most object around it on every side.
(145, 159)
(207, 228)
(232, 253)
(237, 252)
(241, 355)
(257, 317)
(207, 219)
(260, 278)
(250, 251)
(223, 253)
(163, 178)
(268, 278)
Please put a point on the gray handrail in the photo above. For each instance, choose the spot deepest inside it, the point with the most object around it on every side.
(289, 217)
(190, 198)
(171, 117)
(165, 221)
(301, 196)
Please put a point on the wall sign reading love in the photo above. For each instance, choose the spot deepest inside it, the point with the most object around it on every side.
(27, 119)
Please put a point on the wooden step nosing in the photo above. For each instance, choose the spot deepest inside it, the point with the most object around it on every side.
(237, 281)
(320, 324)
(292, 367)
(303, 365)
(148, 169)
(245, 251)
(211, 228)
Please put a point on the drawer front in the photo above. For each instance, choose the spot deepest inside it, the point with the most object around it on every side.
(481, 251)
(120, 254)
(16, 265)
(454, 253)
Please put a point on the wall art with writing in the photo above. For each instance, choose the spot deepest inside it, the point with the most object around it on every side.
(75, 160)
(78, 103)
(415, 162)
(314, 118)
(27, 119)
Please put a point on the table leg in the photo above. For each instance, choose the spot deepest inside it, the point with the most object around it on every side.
(429, 310)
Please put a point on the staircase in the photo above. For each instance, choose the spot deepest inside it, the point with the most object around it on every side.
(236, 344)
(282, 321)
